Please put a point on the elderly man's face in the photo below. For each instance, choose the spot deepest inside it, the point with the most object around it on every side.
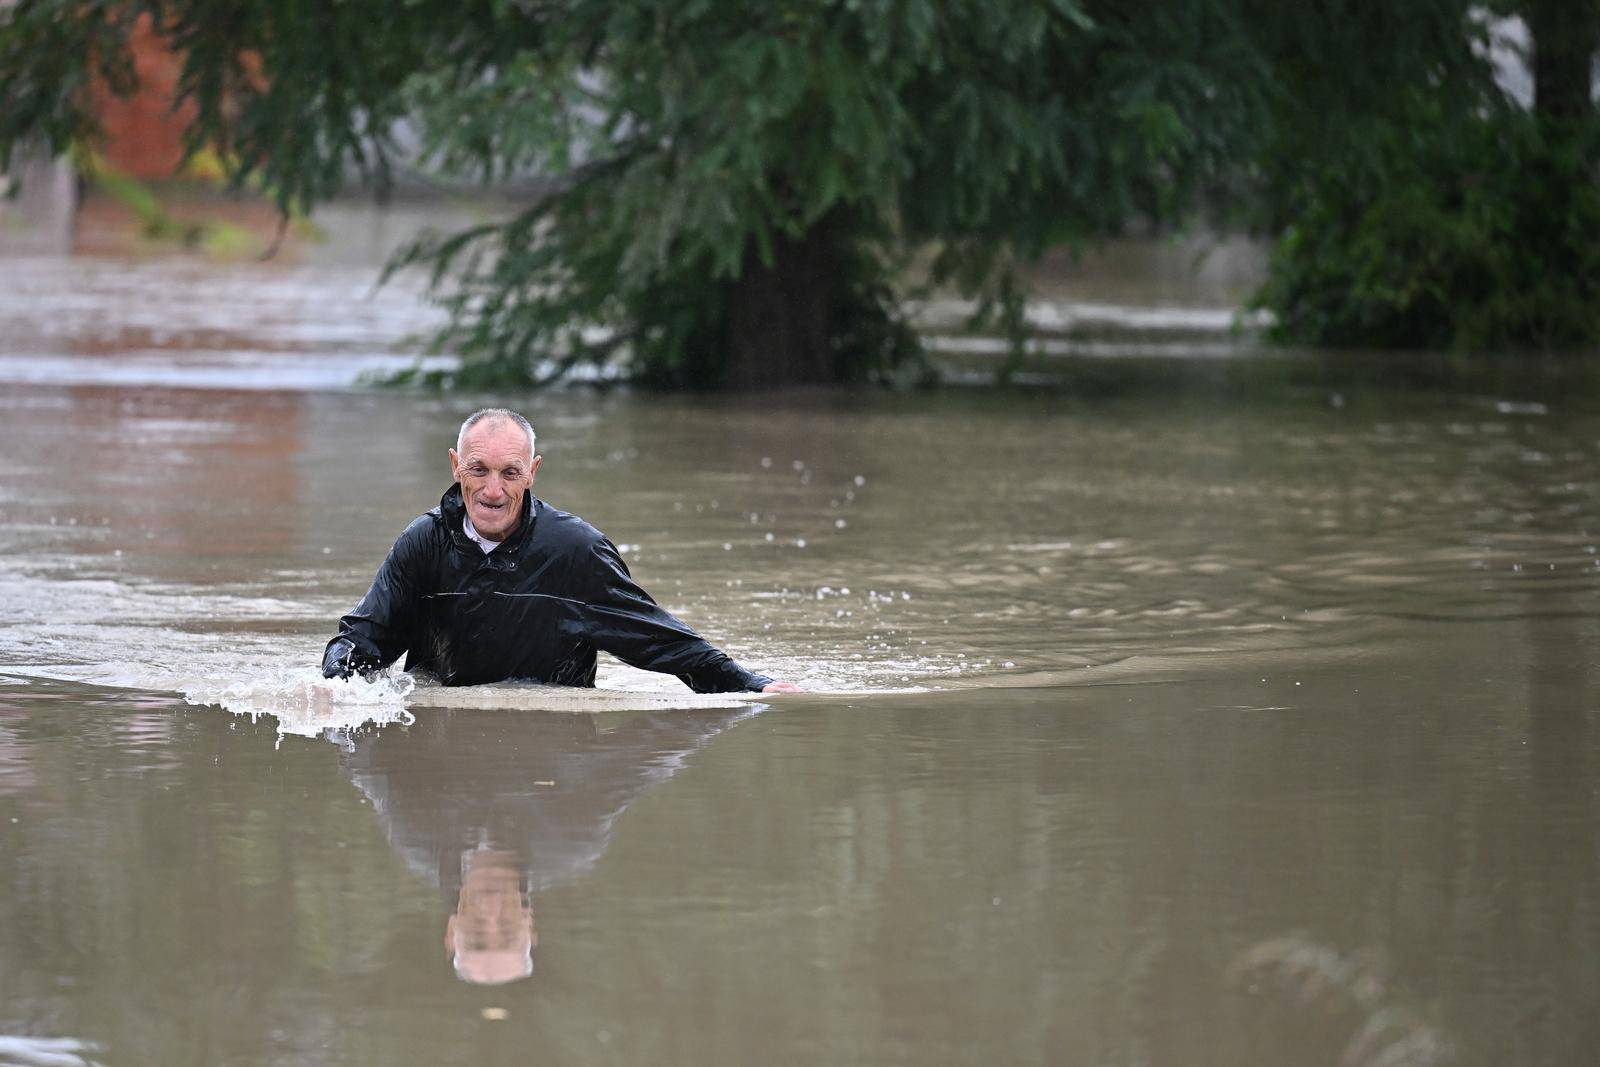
(495, 468)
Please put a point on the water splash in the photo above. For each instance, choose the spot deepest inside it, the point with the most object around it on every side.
(304, 703)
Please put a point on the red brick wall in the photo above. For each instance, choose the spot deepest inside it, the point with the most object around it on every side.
(143, 136)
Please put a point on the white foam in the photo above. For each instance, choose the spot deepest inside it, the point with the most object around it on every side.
(305, 703)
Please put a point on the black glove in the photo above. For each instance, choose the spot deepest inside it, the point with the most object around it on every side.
(342, 659)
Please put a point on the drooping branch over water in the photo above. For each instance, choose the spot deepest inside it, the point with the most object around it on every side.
(715, 195)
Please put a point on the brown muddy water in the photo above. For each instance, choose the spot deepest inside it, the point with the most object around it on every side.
(1235, 715)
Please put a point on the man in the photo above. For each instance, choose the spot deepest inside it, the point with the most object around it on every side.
(495, 584)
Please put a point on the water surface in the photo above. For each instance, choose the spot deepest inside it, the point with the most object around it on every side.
(1243, 715)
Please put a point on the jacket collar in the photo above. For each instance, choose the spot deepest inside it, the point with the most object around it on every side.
(454, 511)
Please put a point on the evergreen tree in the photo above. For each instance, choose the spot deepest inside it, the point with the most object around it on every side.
(732, 190)
(733, 193)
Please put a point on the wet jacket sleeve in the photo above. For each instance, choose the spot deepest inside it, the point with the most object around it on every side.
(378, 630)
(623, 620)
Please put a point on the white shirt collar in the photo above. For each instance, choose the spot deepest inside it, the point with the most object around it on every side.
(472, 532)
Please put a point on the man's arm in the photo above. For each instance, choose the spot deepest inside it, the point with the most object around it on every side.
(378, 630)
(624, 621)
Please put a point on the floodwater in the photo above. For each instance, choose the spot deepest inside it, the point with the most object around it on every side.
(1210, 712)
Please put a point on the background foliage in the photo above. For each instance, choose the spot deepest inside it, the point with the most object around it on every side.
(1417, 204)
(744, 193)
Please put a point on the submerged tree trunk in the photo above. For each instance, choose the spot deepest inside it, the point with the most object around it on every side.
(1565, 37)
(779, 327)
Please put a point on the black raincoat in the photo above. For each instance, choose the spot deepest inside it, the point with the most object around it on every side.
(537, 608)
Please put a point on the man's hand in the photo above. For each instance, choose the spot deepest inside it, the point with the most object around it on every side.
(781, 687)
(342, 659)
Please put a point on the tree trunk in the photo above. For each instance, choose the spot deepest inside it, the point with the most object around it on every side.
(1566, 34)
(779, 325)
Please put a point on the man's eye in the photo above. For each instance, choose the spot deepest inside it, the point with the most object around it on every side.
(477, 472)
(511, 472)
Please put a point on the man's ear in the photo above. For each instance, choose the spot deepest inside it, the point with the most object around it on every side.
(450, 936)
(533, 468)
(455, 465)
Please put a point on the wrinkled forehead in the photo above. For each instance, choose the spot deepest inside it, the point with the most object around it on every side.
(496, 441)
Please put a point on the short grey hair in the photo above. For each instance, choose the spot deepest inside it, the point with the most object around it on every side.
(494, 415)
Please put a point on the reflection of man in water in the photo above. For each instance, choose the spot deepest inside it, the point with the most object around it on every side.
(490, 936)
(495, 584)
(493, 806)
